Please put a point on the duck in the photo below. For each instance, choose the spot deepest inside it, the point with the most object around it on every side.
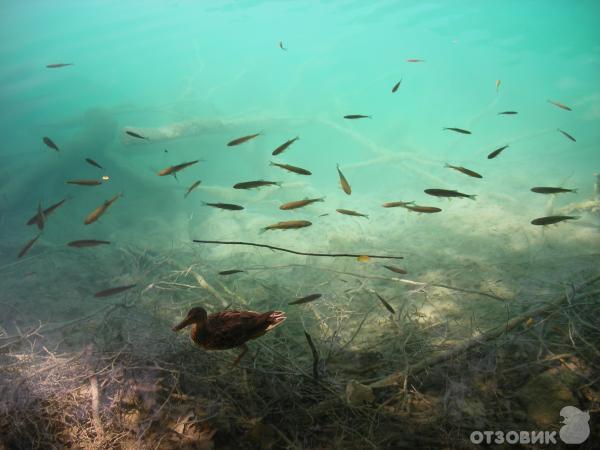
(225, 330)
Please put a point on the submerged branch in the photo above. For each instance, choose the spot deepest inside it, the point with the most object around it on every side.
(315, 355)
(334, 255)
(489, 335)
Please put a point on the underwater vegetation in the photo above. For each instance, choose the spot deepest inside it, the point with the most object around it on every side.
(364, 229)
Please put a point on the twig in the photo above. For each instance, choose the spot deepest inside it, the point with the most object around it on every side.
(202, 282)
(315, 355)
(333, 255)
(95, 405)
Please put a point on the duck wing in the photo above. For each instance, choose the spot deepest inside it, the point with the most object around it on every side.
(229, 329)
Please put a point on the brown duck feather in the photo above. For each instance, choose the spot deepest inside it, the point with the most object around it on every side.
(229, 329)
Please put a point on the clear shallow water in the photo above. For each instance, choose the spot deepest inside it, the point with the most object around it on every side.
(214, 71)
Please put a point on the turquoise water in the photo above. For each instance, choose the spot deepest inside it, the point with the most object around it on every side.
(161, 63)
(192, 76)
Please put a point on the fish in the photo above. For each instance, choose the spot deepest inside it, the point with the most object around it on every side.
(58, 65)
(172, 170)
(255, 184)
(343, 182)
(508, 113)
(281, 46)
(285, 145)
(194, 185)
(385, 304)
(498, 83)
(306, 299)
(288, 225)
(363, 258)
(40, 217)
(448, 193)
(396, 204)
(300, 203)
(496, 152)
(397, 85)
(113, 291)
(298, 170)
(28, 246)
(464, 170)
(567, 135)
(396, 269)
(357, 116)
(560, 105)
(423, 209)
(46, 212)
(85, 182)
(50, 143)
(135, 135)
(550, 220)
(242, 139)
(87, 243)
(458, 130)
(231, 272)
(323, 215)
(94, 163)
(414, 60)
(228, 206)
(552, 190)
(100, 210)
(349, 212)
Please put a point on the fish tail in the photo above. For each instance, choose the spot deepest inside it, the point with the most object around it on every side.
(574, 191)
(264, 229)
(321, 199)
(271, 163)
(472, 197)
(279, 183)
(574, 217)
(446, 165)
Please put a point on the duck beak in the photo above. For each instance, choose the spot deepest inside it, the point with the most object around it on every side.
(182, 324)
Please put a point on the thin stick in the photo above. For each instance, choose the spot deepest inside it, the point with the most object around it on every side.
(334, 255)
(315, 355)
(95, 406)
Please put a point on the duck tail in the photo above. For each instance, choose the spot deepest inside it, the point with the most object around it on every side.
(275, 318)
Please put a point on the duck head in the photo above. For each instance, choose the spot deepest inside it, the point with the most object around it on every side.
(195, 315)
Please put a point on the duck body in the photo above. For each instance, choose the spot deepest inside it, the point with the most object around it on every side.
(228, 329)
